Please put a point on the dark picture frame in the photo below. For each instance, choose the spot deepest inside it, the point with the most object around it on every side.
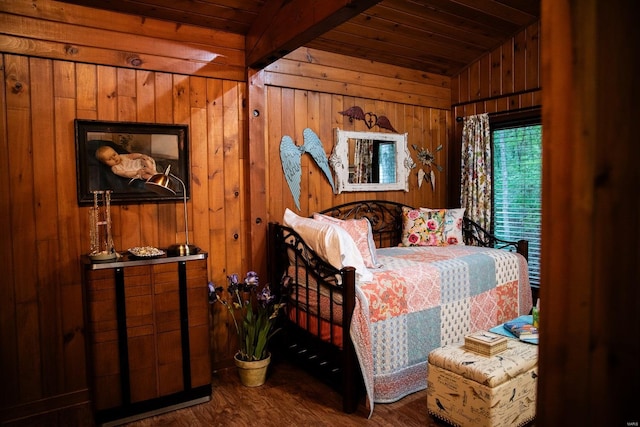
(97, 142)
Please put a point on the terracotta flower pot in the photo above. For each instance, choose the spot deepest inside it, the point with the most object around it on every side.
(252, 373)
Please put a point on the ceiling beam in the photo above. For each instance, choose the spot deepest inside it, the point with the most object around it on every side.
(284, 25)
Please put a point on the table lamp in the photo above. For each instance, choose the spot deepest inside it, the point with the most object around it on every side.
(160, 184)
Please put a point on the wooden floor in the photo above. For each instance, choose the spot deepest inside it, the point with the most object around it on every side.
(289, 397)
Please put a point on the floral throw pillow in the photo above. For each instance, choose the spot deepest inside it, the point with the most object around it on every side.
(422, 228)
(360, 231)
(453, 219)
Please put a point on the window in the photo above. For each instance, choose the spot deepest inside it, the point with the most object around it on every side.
(517, 185)
(384, 156)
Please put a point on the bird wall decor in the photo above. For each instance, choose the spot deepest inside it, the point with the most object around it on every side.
(290, 155)
(370, 119)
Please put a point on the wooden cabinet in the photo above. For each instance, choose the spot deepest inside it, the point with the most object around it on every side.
(148, 327)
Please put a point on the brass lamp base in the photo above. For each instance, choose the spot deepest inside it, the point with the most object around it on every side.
(182, 249)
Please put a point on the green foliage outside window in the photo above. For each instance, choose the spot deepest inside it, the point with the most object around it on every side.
(517, 188)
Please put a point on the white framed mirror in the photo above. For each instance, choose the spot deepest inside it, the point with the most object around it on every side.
(371, 161)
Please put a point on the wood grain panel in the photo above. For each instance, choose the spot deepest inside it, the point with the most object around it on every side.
(49, 355)
(62, 62)
(520, 61)
(315, 103)
(41, 319)
(325, 133)
(199, 219)
(258, 165)
(495, 72)
(232, 189)
(532, 57)
(126, 23)
(590, 151)
(107, 56)
(163, 107)
(118, 43)
(484, 89)
(220, 337)
(512, 67)
(474, 80)
(8, 326)
(22, 217)
(505, 79)
(332, 60)
(47, 227)
(199, 330)
(507, 69)
(215, 178)
(291, 64)
(437, 35)
(143, 374)
(154, 326)
(303, 82)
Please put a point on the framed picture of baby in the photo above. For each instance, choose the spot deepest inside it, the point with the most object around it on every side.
(121, 156)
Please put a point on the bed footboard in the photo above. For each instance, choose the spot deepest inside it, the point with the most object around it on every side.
(310, 336)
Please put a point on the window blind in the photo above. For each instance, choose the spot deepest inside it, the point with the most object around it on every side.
(517, 188)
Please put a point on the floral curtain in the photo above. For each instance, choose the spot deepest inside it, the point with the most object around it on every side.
(363, 159)
(476, 182)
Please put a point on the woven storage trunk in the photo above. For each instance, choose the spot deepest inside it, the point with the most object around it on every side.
(468, 389)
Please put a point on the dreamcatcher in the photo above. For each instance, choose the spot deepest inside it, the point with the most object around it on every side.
(427, 159)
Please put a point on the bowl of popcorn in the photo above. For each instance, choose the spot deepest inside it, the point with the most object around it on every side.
(145, 252)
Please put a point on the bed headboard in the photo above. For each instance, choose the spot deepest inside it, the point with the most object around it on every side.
(475, 235)
(386, 222)
(385, 218)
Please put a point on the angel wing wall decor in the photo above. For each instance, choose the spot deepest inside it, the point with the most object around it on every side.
(290, 155)
(370, 119)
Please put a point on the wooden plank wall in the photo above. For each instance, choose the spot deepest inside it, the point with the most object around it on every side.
(62, 63)
(506, 79)
(590, 316)
(94, 36)
(308, 89)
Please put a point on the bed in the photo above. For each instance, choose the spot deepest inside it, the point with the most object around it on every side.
(405, 301)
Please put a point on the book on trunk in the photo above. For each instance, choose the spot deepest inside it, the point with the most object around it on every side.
(523, 330)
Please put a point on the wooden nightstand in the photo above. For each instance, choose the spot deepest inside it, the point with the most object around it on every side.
(148, 335)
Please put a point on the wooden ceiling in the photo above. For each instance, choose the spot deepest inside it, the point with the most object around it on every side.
(438, 36)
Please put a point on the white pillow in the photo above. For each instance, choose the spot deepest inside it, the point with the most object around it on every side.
(331, 242)
(361, 233)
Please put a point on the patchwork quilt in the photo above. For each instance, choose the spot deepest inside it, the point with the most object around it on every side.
(425, 297)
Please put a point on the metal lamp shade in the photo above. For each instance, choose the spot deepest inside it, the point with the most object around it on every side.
(160, 184)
